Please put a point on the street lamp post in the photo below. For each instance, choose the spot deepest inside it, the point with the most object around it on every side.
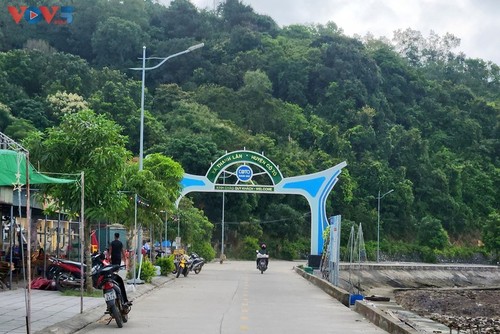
(178, 239)
(141, 135)
(378, 221)
(144, 69)
(222, 244)
(222, 256)
(166, 227)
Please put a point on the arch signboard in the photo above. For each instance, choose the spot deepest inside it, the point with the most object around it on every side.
(247, 171)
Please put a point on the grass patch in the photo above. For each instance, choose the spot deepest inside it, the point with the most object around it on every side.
(76, 293)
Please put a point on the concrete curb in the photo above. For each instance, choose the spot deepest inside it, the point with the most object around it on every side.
(76, 323)
(82, 320)
(382, 320)
(370, 312)
(337, 293)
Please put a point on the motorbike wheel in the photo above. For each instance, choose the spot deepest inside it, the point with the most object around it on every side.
(197, 270)
(61, 285)
(185, 272)
(123, 312)
(52, 272)
(178, 273)
(115, 312)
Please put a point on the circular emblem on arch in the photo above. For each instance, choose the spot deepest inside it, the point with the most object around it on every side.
(244, 173)
(248, 157)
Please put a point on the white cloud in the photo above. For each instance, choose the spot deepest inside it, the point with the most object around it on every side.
(475, 22)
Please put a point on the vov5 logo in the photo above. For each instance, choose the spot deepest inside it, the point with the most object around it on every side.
(33, 15)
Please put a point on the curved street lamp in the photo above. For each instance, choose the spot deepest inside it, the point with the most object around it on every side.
(144, 69)
(378, 221)
(141, 139)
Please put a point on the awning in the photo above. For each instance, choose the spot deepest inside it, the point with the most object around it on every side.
(13, 171)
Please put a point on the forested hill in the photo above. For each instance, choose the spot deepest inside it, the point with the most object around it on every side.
(413, 116)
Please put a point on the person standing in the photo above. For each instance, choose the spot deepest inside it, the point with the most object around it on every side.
(117, 251)
(117, 254)
(146, 249)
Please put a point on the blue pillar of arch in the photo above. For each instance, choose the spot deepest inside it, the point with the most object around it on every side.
(314, 187)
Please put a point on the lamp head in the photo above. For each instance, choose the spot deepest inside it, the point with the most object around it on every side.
(197, 46)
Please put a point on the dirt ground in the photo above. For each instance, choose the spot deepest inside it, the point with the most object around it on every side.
(474, 310)
(465, 298)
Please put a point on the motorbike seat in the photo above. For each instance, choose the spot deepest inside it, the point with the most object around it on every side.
(72, 262)
(110, 268)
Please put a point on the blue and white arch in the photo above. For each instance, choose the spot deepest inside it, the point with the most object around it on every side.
(314, 187)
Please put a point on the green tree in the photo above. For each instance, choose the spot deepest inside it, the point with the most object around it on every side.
(19, 129)
(235, 13)
(491, 234)
(156, 188)
(196, 153)
(258, 107)
(420, 51)
(117, 42)
(432, 234)
(33, 110)
(62, 103)
(195, 229)
(88, 143)
(180, 19)
(167, 171)
(5, 117)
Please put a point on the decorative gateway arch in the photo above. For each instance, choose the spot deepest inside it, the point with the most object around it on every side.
(250, 172)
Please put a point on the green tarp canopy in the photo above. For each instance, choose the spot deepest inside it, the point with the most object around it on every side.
(12, 163)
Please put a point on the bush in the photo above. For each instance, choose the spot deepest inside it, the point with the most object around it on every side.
(491, 234)
(166, 265)
(204, 249)
(371, 250)
(249, 246)
(290, 250)
(428, 255)
(463, 254)
(432, 234)
(148, 270)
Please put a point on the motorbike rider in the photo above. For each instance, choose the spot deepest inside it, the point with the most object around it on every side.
(263, 251)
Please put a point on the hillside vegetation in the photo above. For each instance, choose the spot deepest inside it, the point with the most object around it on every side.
(409, 114)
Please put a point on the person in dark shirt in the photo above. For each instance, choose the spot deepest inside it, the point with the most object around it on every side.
(263, 251)
(117, 251)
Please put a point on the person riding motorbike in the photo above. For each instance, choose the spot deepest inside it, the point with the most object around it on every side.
(263, 251)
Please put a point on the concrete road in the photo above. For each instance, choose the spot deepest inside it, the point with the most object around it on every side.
(236, 298)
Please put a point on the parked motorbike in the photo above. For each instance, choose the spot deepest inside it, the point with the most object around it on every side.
(197, 263)
(159, 254)
(53, 269)
(115, 295)
(183, 266)
(262, 261)
(67, 274)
